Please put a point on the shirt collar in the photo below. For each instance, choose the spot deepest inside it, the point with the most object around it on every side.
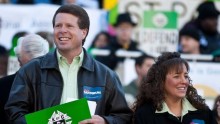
(187, 106)
(61, 58)
(81, 58)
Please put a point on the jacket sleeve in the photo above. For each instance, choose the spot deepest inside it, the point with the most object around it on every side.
(213, 119)
(144, 114)
(138, 119)
(117, 108)
(18, 102)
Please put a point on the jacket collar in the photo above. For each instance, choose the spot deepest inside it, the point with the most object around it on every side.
(88, 61)
(187, 106)
(50, 61)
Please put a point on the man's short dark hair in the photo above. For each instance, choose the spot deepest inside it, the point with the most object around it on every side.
(140, 60)
(77, 11)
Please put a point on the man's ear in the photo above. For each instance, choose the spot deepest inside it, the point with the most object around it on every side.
(84, 33)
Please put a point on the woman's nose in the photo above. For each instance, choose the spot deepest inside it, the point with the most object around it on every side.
(184, 80)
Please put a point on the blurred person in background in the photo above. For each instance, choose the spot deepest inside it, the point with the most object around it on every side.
(167, 95)
(4, 1)
(14, 41)
(0, 25)
(69, 71)
(189, 41)
(33, 1)
(216, 56)
(142, 65)
(101, 41)
(216, 109)
(28, 47)
(48, 36)
(92, 4)
(13, 64)
(124, 27)
(207, 24)
(4, 54)
(23, 1)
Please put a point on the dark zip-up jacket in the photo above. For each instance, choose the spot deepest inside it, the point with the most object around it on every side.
(146, 115)
(39, 84)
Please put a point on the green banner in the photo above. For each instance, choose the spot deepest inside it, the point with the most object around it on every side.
(112, 15)
(68, 113)
(160, 19)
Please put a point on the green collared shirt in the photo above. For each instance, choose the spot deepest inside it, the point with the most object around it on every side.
(186, 105)
(69, 73)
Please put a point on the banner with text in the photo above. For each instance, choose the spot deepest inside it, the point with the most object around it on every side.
(159, 32)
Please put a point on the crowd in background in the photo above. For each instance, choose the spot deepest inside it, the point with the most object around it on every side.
(198, 36)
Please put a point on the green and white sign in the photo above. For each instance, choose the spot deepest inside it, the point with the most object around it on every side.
(159, 32)
(160, 19)
(68, 113)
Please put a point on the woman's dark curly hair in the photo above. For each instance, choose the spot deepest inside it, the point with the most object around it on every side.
(217, 99)
(152, 86)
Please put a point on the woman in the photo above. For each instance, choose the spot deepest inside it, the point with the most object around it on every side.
(216, 109)
(167, 96)
(101, 40)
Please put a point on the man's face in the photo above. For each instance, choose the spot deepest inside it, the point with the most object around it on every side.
(124, 31)
(143, 69)
(23, 57)
(188, 44)
(67, 34)
(210, 24)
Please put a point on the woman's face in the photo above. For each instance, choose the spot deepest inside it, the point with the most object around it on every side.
(176, 84)
(101, 41)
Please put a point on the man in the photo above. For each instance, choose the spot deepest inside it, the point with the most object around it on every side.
(66, 74)
(189, 41)
(28, 48)
(142, 65)
(123, 38)
(207, 24)
(3, 61)
(3, 57)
